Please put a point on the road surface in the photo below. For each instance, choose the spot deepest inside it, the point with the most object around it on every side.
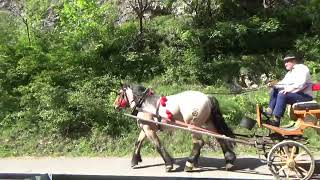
(248, 167)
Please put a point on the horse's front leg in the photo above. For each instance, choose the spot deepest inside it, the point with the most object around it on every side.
(195, 154)
(136, 158)
(150, 131)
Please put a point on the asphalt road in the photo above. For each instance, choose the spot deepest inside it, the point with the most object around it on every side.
(81, 168)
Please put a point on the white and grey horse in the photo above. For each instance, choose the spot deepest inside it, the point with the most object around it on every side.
(191, 107)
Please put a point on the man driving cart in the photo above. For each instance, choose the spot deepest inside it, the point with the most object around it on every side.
(295, 87)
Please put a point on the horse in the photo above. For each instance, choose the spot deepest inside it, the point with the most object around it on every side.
(190, 107)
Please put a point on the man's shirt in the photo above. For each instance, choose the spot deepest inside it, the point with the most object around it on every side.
(298, 78)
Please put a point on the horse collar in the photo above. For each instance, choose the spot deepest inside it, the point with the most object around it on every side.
(140, 101)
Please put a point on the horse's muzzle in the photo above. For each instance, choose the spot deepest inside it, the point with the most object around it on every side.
(116, 104)
(117, 108)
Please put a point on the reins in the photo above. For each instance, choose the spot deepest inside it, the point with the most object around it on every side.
(249, 90)
(234, 92)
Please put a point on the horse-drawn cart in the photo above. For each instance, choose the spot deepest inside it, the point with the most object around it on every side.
(284, 150)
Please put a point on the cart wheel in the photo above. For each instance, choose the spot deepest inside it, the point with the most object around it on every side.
(290, 160)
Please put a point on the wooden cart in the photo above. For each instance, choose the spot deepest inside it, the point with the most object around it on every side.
(290, 153)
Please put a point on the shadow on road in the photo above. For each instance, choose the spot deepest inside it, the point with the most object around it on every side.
(242, 165)
(147, 166)
(245, 165)
(316, 174)
(88, 177)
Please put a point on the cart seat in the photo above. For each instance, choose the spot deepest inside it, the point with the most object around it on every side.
(309, 105)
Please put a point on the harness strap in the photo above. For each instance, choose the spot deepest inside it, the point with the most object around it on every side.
(163, 100)
(157, 113)
(140, 101)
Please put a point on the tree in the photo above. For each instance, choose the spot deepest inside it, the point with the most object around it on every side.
(140, 7)
(30, 12)
(203, 11)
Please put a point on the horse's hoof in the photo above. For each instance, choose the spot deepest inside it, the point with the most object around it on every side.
(133, 166)
(134, 163)
(139, 159)
(169, 168)
(188, 167)
(135, 160)
(229, 166)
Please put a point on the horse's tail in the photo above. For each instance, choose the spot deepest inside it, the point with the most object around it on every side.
(219, 122)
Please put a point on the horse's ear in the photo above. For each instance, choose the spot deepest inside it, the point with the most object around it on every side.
(151, 92)
(122, 83)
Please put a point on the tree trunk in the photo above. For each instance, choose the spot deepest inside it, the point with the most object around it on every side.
(28, 30)
(141, 24)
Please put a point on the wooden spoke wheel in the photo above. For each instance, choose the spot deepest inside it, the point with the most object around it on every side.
(290, 160)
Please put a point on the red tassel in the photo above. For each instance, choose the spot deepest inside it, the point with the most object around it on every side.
(123, 103)
(169, 114)
(163, 101)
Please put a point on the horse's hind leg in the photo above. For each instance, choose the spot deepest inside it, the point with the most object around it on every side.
(229, 155)
(227, 149)
(195, 154)
(152, 136)
(136, 158)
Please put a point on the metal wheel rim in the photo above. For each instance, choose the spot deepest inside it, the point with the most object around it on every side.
(291, 160)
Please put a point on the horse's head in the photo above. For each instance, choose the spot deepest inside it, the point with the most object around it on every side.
(124, 98)
(131, 96)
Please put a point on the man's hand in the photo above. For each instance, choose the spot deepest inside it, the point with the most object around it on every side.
(272, 83)
(287, 89)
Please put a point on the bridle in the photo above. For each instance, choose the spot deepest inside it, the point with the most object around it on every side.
(123, 101)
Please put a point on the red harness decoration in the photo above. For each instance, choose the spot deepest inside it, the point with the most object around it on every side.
(169, 114)
(122, 103)
(163, 102)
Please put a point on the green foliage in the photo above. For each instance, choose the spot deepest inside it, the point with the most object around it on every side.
(48, 89)
(184, 69)
(313, 9)
(309, 46)
(8, 26)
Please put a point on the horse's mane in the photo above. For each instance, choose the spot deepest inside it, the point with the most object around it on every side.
(137, 89)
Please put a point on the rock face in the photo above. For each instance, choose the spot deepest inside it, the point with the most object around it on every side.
(125, 9)
(4, 3)
(11, 6)
(17, 8)
(154, 8)
(50, 20)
